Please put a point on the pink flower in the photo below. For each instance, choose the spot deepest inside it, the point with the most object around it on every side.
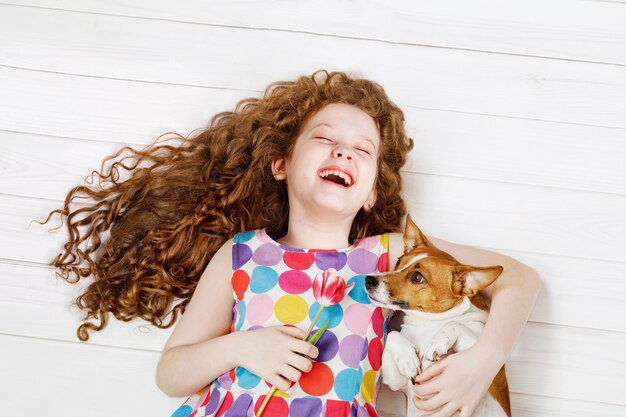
(329, 288)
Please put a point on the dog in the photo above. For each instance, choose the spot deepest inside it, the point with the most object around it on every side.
(443, 313)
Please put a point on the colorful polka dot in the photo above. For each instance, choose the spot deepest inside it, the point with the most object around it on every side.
(326, 260)
(294, 282)
(357, 318)
(260, 308)
(271, 285)
(241, 254)
(352, 350)
(240, 281)
(299, 260)
(291, 309)
(332, 313)
(267, 254)
(204, 396)
(362, 261)
(383, 262)
(246, 379)
(309, 407)
(318, 381)
(358, 292)
(375, 353)
(240, 406)
(328, 346)
(345, 384)
(241, 314)
(263, 279)
(228, 401)
(367, 386)
(183, 411)
(243, 237)
(276, 407)
(378, 321)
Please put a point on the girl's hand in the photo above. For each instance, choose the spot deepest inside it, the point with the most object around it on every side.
(275, 354)
(455, 385)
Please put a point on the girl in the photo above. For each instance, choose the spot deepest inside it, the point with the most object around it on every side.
(287, 186)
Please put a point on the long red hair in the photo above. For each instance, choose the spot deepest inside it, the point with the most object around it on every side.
(147, 239)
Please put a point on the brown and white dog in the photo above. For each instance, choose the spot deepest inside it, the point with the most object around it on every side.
(444, 313)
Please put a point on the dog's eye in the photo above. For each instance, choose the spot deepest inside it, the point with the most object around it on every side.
(416, 277)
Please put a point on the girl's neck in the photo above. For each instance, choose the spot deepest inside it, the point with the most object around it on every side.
(316, 235)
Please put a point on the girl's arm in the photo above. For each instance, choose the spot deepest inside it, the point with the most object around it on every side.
(463, 378)
(200, 348)
(195, 354)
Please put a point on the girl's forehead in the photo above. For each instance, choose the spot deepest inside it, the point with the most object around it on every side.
(344, 117)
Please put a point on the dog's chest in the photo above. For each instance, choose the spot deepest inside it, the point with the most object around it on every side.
(420, 329)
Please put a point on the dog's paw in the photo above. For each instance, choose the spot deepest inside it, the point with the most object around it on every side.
(439, 346)
(404, 355)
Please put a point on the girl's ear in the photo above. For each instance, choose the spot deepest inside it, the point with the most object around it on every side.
(279, 169)
(371, 200)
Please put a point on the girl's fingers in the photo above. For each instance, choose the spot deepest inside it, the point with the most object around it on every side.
(292, 331)
(279, 382)
(424, 390)
(304, 348)
(302, 363)
(431, 372)
(430, 404)
(448, 410)
(290, 373)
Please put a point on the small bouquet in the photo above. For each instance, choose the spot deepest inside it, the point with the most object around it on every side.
(329, 289)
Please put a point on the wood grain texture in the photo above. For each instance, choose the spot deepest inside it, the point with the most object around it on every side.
(589, 31)
(517, 112)
(434, 78)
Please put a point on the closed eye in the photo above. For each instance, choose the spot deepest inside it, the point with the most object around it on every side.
(326, 139)
(363, 150)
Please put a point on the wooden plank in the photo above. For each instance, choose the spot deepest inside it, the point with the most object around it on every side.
(446, 143)
(539, 406)
(568, 362)
(557, 362)
(104, 109)
(519, 217)
(234, 58)
(37, 303)
(590, 31)
(70, 379)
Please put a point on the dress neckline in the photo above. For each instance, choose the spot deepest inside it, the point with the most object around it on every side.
(267, 237)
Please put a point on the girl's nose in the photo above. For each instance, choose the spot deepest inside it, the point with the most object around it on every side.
(341, 152)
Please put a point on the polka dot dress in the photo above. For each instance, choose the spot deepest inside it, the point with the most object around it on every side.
(272, 286)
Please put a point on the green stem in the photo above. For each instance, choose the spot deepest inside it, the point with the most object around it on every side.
(306, 337)
(317, 316)
(265, 401)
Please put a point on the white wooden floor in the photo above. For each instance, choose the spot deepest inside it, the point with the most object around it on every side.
(517, 109)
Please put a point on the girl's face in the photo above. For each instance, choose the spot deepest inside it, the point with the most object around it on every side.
(333, 164)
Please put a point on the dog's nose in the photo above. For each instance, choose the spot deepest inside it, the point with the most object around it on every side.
(371, 282)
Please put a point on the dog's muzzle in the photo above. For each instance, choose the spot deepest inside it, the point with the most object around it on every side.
(371, 282)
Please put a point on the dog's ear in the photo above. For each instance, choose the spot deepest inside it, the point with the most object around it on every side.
(413, 237)
(470, 279)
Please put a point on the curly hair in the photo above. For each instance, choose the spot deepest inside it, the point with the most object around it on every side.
(184, 197)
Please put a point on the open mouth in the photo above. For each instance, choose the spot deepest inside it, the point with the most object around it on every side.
(337, 177)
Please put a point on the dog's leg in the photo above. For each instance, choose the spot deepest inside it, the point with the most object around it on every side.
(453, 335)
(400, 361)
(391, 374)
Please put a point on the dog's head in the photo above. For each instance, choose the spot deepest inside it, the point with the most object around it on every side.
(426, 278)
